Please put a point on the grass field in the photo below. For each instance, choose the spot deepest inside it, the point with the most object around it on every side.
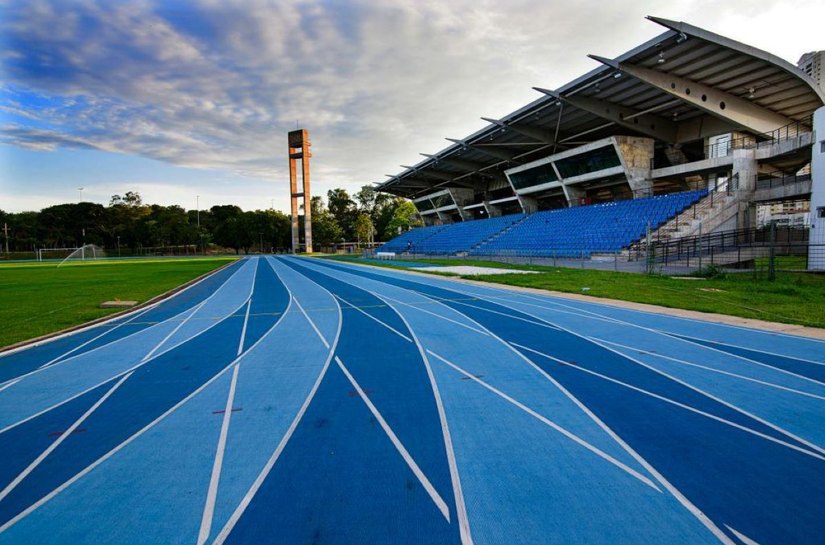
(40, 298)
(794, 298)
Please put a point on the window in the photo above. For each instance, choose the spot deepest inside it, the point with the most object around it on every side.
(820, 212)
(535, 176)
(822, 147)
(588, 162)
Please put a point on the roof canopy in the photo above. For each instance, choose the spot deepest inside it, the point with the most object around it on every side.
(682, 86)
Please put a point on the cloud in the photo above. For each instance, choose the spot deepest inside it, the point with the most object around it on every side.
(215, 84)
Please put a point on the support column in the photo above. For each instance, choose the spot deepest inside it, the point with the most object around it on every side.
(745, 169)
(573, 194)
(528, 204)
(816, 239)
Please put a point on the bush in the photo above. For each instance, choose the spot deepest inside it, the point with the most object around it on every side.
(711, 271)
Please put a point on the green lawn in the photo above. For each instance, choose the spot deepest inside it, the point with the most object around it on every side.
(794, 298)
(39, 298)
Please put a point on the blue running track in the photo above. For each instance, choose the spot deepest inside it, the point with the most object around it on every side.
(302, 401)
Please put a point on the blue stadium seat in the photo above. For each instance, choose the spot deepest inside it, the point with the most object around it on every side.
(565, 232)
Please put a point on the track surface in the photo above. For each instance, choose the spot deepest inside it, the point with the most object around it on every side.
(301, 401)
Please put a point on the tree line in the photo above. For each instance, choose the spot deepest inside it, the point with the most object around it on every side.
(129, 226)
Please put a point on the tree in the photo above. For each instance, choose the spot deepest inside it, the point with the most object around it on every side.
(364, 228)
(404, 218)
(325, 228)
(343, 209)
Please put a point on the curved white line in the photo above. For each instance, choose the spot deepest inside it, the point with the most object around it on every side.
(259, 480)
(137, 434)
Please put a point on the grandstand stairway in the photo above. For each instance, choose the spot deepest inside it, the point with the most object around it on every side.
(706, 215)
(496, 235)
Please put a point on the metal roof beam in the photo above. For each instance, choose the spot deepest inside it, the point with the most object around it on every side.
(532, 132)
(645, 123)
(739, 111)
(460, 163)
(492, 152)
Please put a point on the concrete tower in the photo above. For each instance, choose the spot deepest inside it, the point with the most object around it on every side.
(299, 149)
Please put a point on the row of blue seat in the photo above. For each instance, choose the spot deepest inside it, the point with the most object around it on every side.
(578, 231)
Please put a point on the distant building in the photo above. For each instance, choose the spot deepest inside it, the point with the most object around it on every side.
(813, 64)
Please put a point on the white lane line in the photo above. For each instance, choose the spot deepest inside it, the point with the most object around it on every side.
(807, 443)
(712, 369)
(63, 436)
(742, 537)
(259, 480)
(461, 508)
(314, 327)
(402, 450)
(243, 330)
(683, 339)
(95, 349)
(104, 381)
(681, 498)
(814, 362)
(214, 481)
(78, 347)
(368, 315)
(671, 401)
(9, 383)
(29, 510)
(573, 437)
(548, 326)
(180, 325)
(417, 307)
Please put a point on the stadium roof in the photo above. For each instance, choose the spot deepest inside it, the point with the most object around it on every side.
(684, 85)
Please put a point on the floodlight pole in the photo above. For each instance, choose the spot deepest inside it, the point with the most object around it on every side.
(118, 245)
(6, 231)
(198, 207)
(81, 194)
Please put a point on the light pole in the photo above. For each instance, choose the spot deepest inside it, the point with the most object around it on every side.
(198, 207)
(118, 245)
(81, 194)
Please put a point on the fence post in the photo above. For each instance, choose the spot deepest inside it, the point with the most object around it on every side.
(772, 254)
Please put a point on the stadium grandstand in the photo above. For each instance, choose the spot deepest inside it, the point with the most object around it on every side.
(686, 134)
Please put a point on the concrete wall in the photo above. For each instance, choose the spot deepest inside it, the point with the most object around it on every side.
(816, 249)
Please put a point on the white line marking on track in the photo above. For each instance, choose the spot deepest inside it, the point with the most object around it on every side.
(90, 388)
(712, 369)
(688, 385)
(425, 482)
(143, 430)
(214, 481)
(686, 503)
(415, 306)
(93, 339)
(573, 437)
(259, 480)
(813, 362)
(742, 537)
(243, 330)
(671, 401)
(368, 315)
(314, 327)
(9, 383)
(171, 333)
(680, 338)
(63, 436)
(461, 508)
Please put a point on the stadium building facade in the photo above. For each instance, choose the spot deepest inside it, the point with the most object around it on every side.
(689, 110)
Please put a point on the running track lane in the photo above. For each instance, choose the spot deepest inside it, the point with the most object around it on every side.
(367, 461)
(146, 393)
(723, 460)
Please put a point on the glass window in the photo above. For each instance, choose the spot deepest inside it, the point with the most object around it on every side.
(585, 163)
(535, 176)
(424, 205)
(442, 200)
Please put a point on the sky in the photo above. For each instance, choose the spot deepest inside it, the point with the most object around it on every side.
(189, 102)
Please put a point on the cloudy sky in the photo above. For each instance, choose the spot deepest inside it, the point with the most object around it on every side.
(182, 98)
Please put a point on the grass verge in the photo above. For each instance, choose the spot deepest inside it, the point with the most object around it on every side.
(40, 298)
(793, 298)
